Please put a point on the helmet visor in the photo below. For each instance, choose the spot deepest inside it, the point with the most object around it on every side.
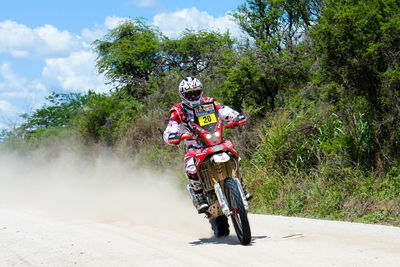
(192, 95)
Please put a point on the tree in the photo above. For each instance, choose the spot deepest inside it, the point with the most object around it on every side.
(358, 43)
(279, 51)
(277, 24)
(249, 84)
(128, 55)
(195, 52)
(59, 110)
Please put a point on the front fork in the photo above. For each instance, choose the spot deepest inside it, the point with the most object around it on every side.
(242, 195)
(222, 199)
(221, 196)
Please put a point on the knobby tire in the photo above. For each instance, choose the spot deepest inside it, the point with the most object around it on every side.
(239, 213)
(220, 226)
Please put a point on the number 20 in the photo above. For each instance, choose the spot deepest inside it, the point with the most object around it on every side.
(207, 119)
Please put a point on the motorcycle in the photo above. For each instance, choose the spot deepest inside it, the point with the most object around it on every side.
(217, 164)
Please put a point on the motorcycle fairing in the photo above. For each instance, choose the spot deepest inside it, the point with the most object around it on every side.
(208, 124)
(206, 116)
(202, 153)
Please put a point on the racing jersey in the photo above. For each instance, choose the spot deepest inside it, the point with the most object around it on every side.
(180, 115)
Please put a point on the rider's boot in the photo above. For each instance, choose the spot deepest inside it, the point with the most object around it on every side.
(247, 194)
(199, 200)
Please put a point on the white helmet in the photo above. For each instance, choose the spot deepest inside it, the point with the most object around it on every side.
(191, 91)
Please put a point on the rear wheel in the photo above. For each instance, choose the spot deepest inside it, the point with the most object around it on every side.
(220, 226)
(238, 212)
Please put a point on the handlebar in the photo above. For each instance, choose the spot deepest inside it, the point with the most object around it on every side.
(233, 124)
(177, 139)
(187, 136)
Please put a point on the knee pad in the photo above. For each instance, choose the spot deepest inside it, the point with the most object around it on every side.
(190, 166)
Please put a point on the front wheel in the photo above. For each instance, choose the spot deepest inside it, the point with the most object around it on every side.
(238, 212)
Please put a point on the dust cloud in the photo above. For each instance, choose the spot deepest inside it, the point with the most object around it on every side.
(94, 187)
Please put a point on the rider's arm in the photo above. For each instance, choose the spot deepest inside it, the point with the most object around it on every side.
(173, 127)
(226, 113)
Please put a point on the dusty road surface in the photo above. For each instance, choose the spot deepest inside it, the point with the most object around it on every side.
(31, 240)
(67, 209)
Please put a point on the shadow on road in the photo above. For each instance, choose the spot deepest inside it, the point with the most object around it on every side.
(229, 240)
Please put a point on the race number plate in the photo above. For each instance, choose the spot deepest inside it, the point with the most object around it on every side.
(207, 119)
(206, 114)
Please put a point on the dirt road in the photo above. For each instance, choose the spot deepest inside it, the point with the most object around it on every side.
(32, 240)
(73, 210)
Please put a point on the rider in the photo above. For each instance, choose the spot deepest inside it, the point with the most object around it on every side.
(191, 93)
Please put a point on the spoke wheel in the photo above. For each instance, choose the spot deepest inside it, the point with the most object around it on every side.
(238, 212)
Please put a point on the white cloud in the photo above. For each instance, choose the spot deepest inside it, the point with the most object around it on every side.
(89, 35)
(173, 24)
(11, 80)
(69, 59)
(8, 114)
(17, 87)
(69, 64)
(6, 108)
(74, 73)
(113, 21)
(18, 95)
(99, 31)
(19, 53)
(15, 36)
(22, 42)
(59, 42)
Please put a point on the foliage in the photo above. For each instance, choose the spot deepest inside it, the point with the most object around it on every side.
(105, 118)
(358, 43)
(254, 80)
(318, 80)
(303, 167)
(58, 111)
(195, 51)
(277, 24)
(128, 56)
(278, 60)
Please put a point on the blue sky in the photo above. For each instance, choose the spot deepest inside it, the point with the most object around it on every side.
(45, 45)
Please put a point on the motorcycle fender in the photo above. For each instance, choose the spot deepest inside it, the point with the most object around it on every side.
(220, 157)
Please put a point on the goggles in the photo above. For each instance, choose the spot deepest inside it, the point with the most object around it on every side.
(193, 94)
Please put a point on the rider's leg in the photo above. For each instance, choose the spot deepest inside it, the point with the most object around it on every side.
(199, 200)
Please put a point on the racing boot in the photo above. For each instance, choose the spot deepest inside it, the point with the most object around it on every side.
(247, 194)
(199, 200)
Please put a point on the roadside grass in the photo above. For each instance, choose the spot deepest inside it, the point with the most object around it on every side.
(303, 167)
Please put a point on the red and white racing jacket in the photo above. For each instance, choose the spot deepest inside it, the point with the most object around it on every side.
(180, 115)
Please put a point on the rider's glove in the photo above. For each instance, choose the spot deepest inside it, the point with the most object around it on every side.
(240, 119)
(173, 139)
